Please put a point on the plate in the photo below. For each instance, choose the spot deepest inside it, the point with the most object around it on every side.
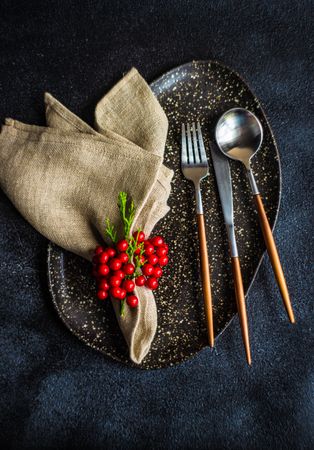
(203, 90)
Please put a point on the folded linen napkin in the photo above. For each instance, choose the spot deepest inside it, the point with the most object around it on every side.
(65, 179)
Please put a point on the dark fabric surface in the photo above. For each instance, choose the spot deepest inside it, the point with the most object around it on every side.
(57, 393)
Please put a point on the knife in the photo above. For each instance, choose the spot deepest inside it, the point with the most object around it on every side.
(223, 179)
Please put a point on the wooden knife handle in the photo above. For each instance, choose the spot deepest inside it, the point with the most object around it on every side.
(206, 279)
(240, 298)
(274, 257)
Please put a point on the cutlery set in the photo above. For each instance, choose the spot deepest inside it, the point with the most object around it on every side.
(238, 135)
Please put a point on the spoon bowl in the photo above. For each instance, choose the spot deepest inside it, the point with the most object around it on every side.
(239, 135)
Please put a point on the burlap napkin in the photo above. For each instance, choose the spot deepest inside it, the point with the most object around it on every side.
(65, 179)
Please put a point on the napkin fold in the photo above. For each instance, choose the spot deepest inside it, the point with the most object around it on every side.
(65, 178)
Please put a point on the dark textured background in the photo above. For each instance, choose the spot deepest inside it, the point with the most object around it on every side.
(57, 393)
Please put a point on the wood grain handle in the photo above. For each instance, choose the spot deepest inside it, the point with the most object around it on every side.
(274, 257)
(206, 279)
(240, 298)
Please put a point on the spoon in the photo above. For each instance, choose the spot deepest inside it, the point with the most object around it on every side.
(239, 135)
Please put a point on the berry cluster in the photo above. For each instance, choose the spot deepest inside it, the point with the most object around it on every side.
(136, 261)
(132, 261)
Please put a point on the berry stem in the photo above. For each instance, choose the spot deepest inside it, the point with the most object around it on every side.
(122, 308)
(131, 249)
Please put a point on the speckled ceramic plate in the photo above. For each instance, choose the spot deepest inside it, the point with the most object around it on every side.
(201, 90)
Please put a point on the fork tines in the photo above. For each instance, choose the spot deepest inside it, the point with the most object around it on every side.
(193, 149)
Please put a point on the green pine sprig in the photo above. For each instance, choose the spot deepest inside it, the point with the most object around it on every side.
(137, 258)
(110, 231)
(127, 212)
(132, 247)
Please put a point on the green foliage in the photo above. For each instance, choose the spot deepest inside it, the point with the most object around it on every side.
(110, 231)
(127, 211)
(137, 258)
(131, 248)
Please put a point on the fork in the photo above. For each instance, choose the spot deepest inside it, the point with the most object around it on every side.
(194, 167)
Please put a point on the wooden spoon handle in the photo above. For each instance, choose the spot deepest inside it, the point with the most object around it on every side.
(274, 257)
(240, 298)
(206, 279)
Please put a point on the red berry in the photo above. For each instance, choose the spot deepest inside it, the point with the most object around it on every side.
(122, 294)
(122, 245)
(104, 258)
(152, 283)
(102, 295)
(165, 246)
(157, 241)
(157, 272)
(123, 257)
(139, 236)
(98, 250)
(116, 292)
(111, 252)
(161, 251)
(163, 260)
(128, 269)
(128, 285)
(153, 259)
(120, 274)
(114, 281)
(149, 249)
(103, 285)
(148, 269)
(103, 269)
(137, 251)
(132, 301)
(140, 281)
(115, 264)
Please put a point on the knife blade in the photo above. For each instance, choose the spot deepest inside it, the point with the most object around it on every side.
(223, 180)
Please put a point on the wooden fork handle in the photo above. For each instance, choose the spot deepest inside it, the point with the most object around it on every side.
(240, 299)
(274, 257)
(206, 279)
